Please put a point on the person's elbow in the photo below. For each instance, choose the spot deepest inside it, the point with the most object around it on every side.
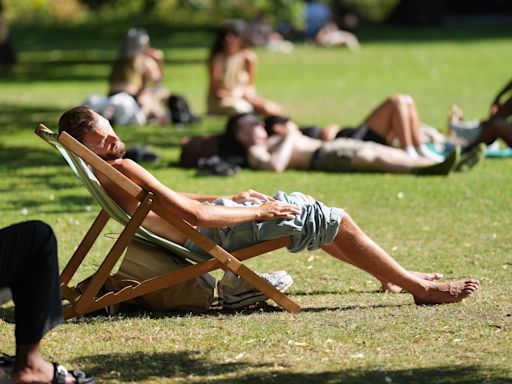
(199, 217)
(277, 168)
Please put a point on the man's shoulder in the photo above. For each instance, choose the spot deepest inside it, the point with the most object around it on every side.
(123, 164)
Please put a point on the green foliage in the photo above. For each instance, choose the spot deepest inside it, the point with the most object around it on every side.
(373, 10)
(209, 12)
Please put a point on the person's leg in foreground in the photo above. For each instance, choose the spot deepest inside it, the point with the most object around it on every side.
(28, 260)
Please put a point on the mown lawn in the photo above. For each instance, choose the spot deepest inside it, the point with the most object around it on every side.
(347, 331)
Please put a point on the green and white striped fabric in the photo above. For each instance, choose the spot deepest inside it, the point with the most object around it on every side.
(85, 174)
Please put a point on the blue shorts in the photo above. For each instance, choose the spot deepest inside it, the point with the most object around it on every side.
(316, 225)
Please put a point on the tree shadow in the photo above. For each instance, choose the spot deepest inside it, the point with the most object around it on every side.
(462, 34)
(138, 366)
(14, 116)
(88, 66)
(15, 157)
(128, 311)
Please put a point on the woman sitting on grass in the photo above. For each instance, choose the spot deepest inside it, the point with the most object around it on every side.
(232, 70)
(497, 126)
(138, 71)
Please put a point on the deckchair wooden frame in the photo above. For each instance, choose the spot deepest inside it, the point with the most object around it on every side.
(88, 301)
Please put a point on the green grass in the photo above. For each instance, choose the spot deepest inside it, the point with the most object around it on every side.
(347, 332)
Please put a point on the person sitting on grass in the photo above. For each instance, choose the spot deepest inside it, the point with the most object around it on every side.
(497, 126)
(138, 71)
(28, 266)
(287, 148)
(241, 220)
(232, 72)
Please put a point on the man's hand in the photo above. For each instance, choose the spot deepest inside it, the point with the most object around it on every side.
(251, 196)
(292, 129)
(275, 209)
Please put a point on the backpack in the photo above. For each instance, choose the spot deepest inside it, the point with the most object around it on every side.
(144, 260)
(181, 113)
(195, 147)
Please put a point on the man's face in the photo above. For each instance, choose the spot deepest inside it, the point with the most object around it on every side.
(251, 132)
(103, 141)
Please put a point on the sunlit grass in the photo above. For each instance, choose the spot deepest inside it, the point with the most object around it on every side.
(347, 332)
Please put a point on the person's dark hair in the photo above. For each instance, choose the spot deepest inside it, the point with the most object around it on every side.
(234, 27)
(233, 125)
(78, 121)
(272, 120)
(230, 148)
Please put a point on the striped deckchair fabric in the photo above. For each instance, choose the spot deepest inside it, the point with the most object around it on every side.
(82, 161)
(85, 174)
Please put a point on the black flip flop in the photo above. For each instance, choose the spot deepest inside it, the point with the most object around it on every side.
(60, 375)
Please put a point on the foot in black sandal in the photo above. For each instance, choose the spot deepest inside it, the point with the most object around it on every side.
(61, 374)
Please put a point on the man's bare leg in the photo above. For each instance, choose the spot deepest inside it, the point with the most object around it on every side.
(393, 288)
(368, 256)
(385, 285)
(376, 157)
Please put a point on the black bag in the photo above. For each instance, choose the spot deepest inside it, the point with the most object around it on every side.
(180, 110)
(215, 166)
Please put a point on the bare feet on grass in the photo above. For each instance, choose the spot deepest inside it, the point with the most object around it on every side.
(446, 292)
(393, 288)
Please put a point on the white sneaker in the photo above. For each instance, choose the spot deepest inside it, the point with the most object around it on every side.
(235, 292)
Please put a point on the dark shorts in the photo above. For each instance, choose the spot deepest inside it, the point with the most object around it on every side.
(364, 133)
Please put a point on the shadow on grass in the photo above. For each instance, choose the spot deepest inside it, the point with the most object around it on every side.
(460, 34)
(137, 366)
(15, 157)
(14, 116)
(81, 69)
(132, 312)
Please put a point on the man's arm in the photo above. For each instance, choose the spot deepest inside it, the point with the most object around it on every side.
(275, 155)
(189, 209)
(216, 70)
(249, 195)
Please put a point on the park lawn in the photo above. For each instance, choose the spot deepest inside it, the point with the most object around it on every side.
(347, 332)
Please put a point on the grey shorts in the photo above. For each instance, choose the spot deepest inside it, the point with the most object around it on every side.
(316, 225)
(338, 155)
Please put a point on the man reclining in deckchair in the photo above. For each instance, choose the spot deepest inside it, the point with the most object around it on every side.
(249, 217)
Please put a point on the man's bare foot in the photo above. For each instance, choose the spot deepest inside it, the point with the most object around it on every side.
(444, 293)
(393, 288)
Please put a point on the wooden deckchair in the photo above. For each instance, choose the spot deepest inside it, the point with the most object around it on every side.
(80, 158)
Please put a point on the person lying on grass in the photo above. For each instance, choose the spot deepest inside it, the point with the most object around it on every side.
(249, 217)
(283, 146)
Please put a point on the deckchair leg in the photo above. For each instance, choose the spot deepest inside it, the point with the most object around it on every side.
(84, 247)
(113, 256)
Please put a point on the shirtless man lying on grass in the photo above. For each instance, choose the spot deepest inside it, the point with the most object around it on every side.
(241, 220)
